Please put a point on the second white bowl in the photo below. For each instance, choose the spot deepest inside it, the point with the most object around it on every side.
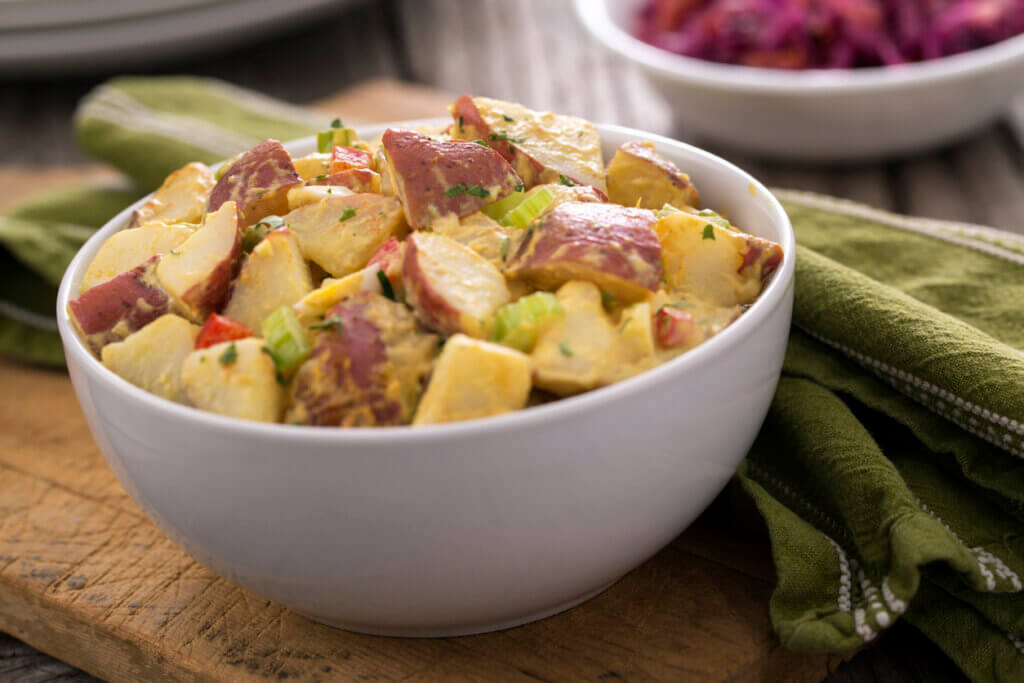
(820, 115)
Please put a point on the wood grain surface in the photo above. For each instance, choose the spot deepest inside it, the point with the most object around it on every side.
(61, 512)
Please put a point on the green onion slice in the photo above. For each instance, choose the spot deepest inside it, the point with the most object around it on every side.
(519, 323)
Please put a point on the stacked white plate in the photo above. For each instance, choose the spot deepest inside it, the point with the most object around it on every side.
(65, 36)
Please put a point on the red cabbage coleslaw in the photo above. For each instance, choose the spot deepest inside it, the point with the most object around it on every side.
(826, 34)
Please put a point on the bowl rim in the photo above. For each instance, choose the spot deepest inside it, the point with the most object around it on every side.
(596, 18)
(773, 296)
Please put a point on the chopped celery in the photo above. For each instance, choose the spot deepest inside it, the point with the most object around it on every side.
(346, 137)
(528, 209)
(503, 206)
(285, 340)
(252, 235)
(519, 323)
(717, 219)
(667, 210)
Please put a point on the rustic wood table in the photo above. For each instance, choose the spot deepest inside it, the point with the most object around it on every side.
(533, 51)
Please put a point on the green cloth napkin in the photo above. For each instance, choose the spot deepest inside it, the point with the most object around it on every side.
(890, 469)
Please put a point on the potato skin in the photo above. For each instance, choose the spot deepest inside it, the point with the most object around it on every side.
(367, 373)
(639, 176)
(612, 246)
(425, 171)
(258, 182)
(451, 287)
(112, 310)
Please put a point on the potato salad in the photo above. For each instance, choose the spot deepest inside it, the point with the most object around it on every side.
(425, 277)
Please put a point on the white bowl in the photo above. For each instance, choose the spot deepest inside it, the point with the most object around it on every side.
(457, 528)
(820, 115)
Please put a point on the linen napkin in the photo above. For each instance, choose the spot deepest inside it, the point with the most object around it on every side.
(890, 469)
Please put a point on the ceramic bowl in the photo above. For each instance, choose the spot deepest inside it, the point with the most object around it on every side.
(820, 115)
(458, 528)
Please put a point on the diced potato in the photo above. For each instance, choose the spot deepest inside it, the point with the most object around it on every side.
(481, 234)
(612, 246)
(340, 234)
(274, 275)
(575, 353)
(180, 199)
(314, 306)
(152, 357)
(474, 379)
(112, 310)
(435, 178)
(312, 194)
(236, 379)
(367, 366)
(198, 274)
(634, 346)
(451, 288)
(312, 166)
(258, 182)
(128, 248)
(541, 146)
(704, 260)
(639, 176)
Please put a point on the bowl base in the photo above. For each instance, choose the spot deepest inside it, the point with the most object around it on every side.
(461, 630)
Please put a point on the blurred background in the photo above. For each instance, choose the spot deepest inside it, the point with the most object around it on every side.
(538, 52)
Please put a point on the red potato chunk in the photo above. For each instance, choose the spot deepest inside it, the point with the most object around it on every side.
(612, 246)
(639, 176)
(341, 232)
(180, 199)
(258, 182)
(234, 378)
(366, 368)
(721, 266)
(451, 287)
(114, 309)
(128, 248)
(274, 275)
(198, 274)
(541, 146)
(437, 178)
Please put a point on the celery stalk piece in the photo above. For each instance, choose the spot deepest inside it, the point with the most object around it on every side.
(285, 340)
(519, 323)
(528, 209)
(503, 206)
(667, 210)
(346, 137)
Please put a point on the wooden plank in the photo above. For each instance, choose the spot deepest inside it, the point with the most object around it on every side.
(86, 577)
(989, 167)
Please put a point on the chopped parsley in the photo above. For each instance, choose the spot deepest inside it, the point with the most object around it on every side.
(709, 232)
(482, 143)
(504, 248)
(320, 177)
(608, 299)
(519, 187)
(579, 134)
(507, 118)
(460, 124)
(385, 285)
(565, 180)
(475, 190)
(332, 322)
(505, 137)
(336, 123)
(229, 356)
(564, 348)
(625, 324)
(349, 212)
(273, 359)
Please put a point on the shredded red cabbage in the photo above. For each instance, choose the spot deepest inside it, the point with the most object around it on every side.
(826, 34)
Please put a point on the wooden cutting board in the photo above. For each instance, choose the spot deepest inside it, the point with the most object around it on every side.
(86, 577)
